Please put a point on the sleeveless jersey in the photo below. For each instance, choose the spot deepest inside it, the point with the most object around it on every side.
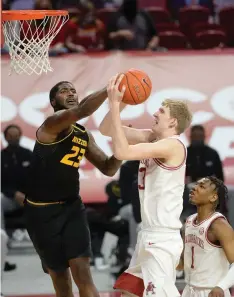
(161, 192)
(54, 168)
(205, 264)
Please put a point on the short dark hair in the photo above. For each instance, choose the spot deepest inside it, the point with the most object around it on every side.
(197, 127)
(222, 193)
(11, 126)
(55, 88)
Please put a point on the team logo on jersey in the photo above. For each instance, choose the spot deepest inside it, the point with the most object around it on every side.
(201, 231)
(150, 289)
(192, 238)
(79, 141)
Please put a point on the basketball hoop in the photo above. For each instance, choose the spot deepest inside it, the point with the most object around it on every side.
(28, 34)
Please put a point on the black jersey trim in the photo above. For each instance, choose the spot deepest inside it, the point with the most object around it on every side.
(44, 203)
(76, 127)
(52, 143)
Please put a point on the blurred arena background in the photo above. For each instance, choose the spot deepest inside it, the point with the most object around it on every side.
(187, 49)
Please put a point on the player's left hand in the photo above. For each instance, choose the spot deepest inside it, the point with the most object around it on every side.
(114, 94)
(216, 292)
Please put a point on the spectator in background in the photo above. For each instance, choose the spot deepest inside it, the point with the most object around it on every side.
(128, 182)
(131, 29)
(15, 162)
(221, 4)
(114, 201)
(43, 5)
(174, 6)
(111, 3)
(64, 4)
(39, 29)
(6, 4)
(86, 32)
(57, 45)
(202, 160)
(21, 5)
(128, 175)
(18, 4)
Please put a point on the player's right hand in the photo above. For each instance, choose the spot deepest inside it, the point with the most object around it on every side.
(216, 292)
(114, 94)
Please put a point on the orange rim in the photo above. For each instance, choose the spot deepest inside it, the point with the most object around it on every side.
(19, 15)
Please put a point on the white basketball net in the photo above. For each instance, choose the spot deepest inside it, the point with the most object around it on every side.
(29, 42)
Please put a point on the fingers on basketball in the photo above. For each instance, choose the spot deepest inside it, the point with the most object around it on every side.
(111, 83)
(121, 89)
(118, 76)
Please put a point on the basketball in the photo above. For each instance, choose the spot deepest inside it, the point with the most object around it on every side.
(138, 86)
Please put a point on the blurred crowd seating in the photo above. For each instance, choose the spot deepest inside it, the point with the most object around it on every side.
(207, 24)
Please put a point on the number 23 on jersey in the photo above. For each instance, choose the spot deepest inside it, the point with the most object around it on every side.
(73, 159)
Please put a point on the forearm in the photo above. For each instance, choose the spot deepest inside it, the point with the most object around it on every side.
(120, 143)
(61, 119)
(111, 166)
(92, 102)
(180, 266)
(106, 124)
(228, 281)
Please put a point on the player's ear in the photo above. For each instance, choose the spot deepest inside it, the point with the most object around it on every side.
(214, 197)
(173, 123)
(53, 102)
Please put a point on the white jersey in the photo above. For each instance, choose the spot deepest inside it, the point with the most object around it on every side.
(205, 264)
(161, 192)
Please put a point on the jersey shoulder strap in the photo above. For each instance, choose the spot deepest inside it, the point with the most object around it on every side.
(79, 127)
(190, 219)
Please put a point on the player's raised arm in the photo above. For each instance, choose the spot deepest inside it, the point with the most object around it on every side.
(133, 135)
(107, 165)
(169, 122)
(164, 148)
(64, 100)
(224, 233)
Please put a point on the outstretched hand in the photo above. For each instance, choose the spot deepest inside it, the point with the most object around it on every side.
(114, 94)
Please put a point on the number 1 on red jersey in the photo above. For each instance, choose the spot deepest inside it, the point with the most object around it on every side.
(192, 264)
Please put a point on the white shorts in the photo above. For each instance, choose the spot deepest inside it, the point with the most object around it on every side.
(152, 270)
(199, 292)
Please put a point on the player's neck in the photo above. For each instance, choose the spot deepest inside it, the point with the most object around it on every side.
(166, 134)
(203, 213)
